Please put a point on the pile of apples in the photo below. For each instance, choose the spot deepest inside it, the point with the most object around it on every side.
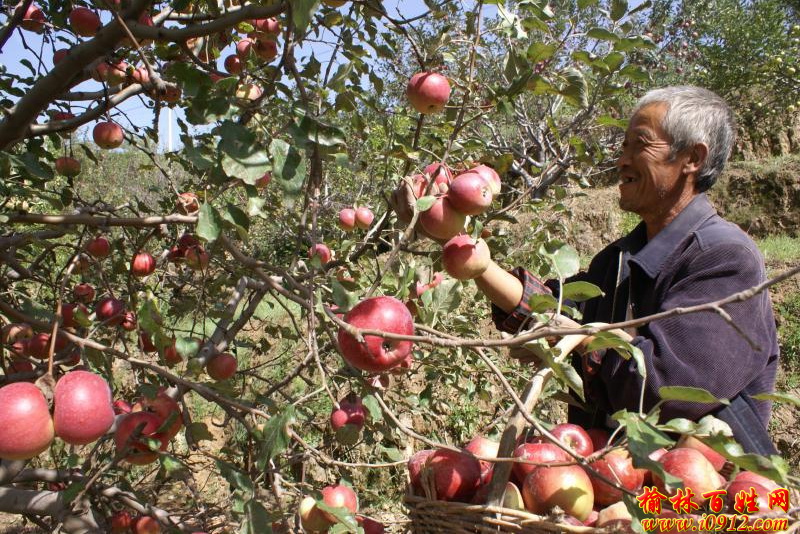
(554, 479)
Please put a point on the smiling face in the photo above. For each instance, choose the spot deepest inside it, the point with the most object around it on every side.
(653, 185)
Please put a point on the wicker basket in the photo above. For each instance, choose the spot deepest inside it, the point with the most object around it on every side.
(439, 517)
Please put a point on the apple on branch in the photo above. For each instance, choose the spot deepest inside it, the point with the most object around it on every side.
(428, 92)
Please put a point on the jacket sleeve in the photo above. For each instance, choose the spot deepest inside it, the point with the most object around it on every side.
(699, 349)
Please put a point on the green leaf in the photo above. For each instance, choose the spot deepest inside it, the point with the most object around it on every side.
(510, 23)
(778, 397)
(171, 465)
(425, 203)
(542, 303)
(235, 478)
(276, 436)
(341, 515)
(372, 406)
(302, 12)
(618, 9)
(610, 340)
(583, 4)
(187, 347)
(580, 291)
(289, 167)
(614, 60)
(200, 432)
(344, 70)
(342, 297)
(209, 222)
(540, 51)
(608, 120)
(72, 491)
(575, 91)
(602, 34)
(239, 220)
(256, 519)
(635, 74)
(643, 439)
(690, 394)
(563, 257)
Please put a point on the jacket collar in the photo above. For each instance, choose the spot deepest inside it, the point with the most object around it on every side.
(650, 255)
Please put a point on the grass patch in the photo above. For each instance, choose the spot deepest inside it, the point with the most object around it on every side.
(779, 248)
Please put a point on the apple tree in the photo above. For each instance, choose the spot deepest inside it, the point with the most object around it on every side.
(241, 334)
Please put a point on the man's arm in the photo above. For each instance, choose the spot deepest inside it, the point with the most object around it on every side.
(501, 287)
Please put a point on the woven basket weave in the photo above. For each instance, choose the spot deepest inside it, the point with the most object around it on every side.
(439, 517)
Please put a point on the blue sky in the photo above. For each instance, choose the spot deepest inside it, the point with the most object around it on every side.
(14, 52)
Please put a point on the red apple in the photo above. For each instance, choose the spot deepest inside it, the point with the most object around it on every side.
(188, 240)
(420, 183)
(567, 487)
(442, 220)
(455, 475)
(146, 525)
(266, 27)
(617, 465)
(364, 217)
(84, 293)
(128, 321)
(693, 469)
(615, 517)
(187, 203)
(439, 172)
(99, 247)
(321, 251)
(121, 407)
(233, 64)
(691, 442)
(486, 448)
(350, 412)
(39, 346)
(68, 314)
(249, 92)
(84, 21)
(167, 409)
(141, 75)
(470, 193)
(749, 476)
(465, 259)
(108, 135)
(339, 496)
(197, 258)
(428, 92)
(415, 466)
(370, 526)
(19, 365)
(27, 428)
(264, 181)
(572, 435)
(67, 166)
(761, 492)
(138, 451)
(121, 522)
(377, 354)
(243, 48)
(312, 518)
(266, 49)
(15, 331)
(491, 176)
(599, 437)
(143, 264)
(221, 366)
(110, 311)
(111, 73)
(146, 343)
(347, 219)
(541, 453)
(83, 407)
(33, 19)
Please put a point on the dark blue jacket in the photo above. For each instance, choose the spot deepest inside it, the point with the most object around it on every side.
(698, 258)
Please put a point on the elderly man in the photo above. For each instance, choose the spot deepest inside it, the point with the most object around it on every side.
(681, 254)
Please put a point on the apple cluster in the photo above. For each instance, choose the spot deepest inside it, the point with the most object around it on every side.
(318, 520)
(470, 193)
(356, 217)
(82, 413)
(546, 476)
(147, 422)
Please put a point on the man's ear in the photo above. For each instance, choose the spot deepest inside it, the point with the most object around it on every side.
(697, 157)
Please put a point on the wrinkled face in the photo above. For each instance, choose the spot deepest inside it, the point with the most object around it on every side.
(650, 181)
